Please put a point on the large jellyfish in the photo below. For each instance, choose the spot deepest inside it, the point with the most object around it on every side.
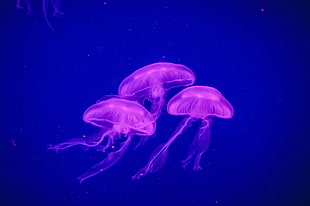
(117, 118)
(196, 102)
(151, 83)
(45, 4)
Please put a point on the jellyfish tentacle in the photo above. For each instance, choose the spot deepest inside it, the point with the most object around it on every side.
(108, 162)
(199, 145)
(67, 144)
(27, 2)
(44, 8)
(157, 164)
(78, 141)
(142, 141)
(158, 159)
(56, 5)
(18, 5)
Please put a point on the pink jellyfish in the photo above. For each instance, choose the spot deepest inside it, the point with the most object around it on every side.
(153, 81)
(116, 118)
(196, 102)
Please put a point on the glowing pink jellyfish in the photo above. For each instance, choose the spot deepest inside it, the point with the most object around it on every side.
(196, 102)
(45, 3)
(117, 118)
(153, 81)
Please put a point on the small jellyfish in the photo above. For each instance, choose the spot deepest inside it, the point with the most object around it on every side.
(196, 102)
(153, 81)
(117, 118)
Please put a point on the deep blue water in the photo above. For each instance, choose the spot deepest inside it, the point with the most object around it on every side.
(258, 59)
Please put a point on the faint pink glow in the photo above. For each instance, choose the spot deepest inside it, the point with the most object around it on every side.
(14, 142)
(195, 102)
(117, 118)
(262, 10)
(45, 4)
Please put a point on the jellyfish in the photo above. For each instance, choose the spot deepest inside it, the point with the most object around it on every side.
(196, 103)
(45, 3)
(151, 83)
(117, 118)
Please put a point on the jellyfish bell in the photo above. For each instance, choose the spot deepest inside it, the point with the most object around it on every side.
(156, 76)
(200, 102)
(116, 118)
(151, 83)
(123, 116)
(195, 102)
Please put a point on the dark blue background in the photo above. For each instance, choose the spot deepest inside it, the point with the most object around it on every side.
(258, 59)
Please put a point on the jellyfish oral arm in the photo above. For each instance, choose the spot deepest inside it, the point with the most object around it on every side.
(158, 100)
(199, 145)
(101, 148)
(159, 158)
(108, 162)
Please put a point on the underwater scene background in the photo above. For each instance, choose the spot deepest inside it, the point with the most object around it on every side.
(256, 53)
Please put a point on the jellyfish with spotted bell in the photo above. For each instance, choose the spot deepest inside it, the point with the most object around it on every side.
(117, 118)
(196, 103)
(151, 83)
